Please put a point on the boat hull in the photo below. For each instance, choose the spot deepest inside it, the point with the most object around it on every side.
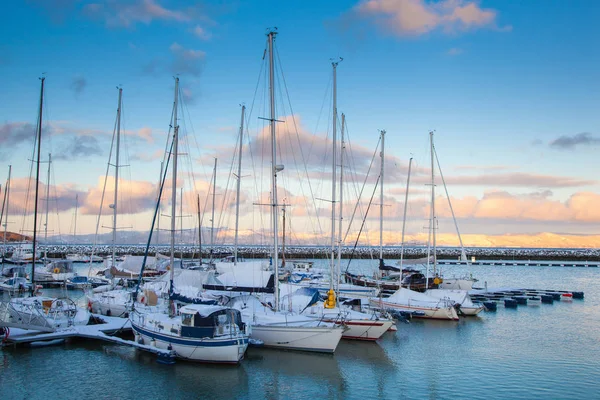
(442, 313)
(213, 350)
(358, 329)
(316, 339)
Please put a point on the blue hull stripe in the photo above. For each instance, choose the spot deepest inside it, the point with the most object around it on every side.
(209, 342)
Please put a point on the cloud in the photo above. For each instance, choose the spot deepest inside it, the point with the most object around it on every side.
(62, 196)
(186, 61)
(78, 147)
(570, 142)
(14, 133)
(454, 51)
(417, 17)
(135, 197)
(201, 33)
(516, 179)
(127, 14)
(78, 84)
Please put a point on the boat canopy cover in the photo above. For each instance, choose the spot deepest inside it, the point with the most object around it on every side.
(203, 309)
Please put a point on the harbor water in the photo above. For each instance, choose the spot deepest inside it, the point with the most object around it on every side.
(549, 351)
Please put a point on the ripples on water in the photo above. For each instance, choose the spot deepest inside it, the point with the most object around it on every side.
(546, 351)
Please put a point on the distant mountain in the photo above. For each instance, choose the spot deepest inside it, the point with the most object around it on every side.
(14, 237)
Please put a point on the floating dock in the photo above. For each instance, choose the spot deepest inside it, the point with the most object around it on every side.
(99, 331)
(524, 263)
(512, 298)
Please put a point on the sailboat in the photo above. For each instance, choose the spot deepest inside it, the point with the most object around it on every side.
(41, 313)
(409, 301)
(273, 326)
(197, 332)
(359, 325)
(454, 291)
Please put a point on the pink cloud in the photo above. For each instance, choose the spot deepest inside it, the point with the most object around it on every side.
(129, 13)
(418, 17)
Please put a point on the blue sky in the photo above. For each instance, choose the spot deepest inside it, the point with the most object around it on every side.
(511, 89)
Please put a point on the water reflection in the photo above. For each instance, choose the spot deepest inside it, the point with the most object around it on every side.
(285, 374)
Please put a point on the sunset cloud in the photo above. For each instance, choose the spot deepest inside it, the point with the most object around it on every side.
(418, 17)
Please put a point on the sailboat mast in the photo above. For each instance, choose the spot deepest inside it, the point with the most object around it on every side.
(47, 208)
(433, 218)
(339, 254)
(404, 217)
(237, 197)
(114, 233)
(181, 225)
(37, 183)
(212, 220)
(174, 192)
(158, 202)
(7, 202)
(333, 175)
(381, 199)
(75, 224)
(199, 229)
(275, 168)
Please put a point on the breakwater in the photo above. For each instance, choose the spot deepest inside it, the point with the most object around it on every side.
(363, 252)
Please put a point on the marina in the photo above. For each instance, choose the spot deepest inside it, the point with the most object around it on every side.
(420, 351)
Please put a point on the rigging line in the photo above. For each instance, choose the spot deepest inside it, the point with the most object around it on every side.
(298, 138)
(449, 202)
(363, 223)
(110, 153)
(162, 185)
(29, 181)
(357, 205)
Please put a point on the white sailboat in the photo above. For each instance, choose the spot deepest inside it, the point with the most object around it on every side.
(41, 313)
(455, 283)
(198, 332)
(359, 325)
(417, 304)
(275, 328)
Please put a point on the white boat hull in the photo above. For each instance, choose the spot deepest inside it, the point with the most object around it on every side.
(318, 339)
(442, 313)
(360, 329)
(456, 284)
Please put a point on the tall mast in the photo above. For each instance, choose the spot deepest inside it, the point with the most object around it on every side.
(381, 200)
(339, 255)
(47, 208)
(160, 178)
(7, 202)
(181, 225)
(283, 237)
(114, 233)
(75, 224)
(433, 217)
(174, 193)
(275, 169)
(404, 217)
(237, 197)
(212, 220)
(199, 229)
(37, 182)
(334, 64)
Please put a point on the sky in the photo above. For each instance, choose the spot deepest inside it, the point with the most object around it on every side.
(510, 90)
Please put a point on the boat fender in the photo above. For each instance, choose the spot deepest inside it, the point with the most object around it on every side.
(89, 305)
(56, 270)
(108, 313)
(330, 301)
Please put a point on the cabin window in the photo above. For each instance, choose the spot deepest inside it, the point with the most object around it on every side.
(186, 319)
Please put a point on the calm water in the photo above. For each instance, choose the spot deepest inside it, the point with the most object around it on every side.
(548, 351)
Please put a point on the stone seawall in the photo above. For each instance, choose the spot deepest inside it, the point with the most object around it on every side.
(391, 252)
